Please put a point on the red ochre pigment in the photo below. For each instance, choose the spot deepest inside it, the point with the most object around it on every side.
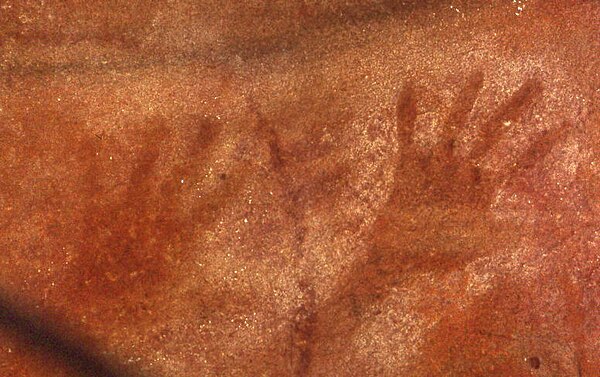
(377, 188)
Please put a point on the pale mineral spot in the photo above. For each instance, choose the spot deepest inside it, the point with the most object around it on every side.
(520, 6)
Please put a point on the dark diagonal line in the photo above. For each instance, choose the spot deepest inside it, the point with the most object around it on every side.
(70, 352)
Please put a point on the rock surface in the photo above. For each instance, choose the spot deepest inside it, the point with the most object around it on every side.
(299, 188)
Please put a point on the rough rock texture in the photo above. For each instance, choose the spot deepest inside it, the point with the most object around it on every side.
(299, 188)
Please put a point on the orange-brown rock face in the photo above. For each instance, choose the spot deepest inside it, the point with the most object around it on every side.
(299, 188)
